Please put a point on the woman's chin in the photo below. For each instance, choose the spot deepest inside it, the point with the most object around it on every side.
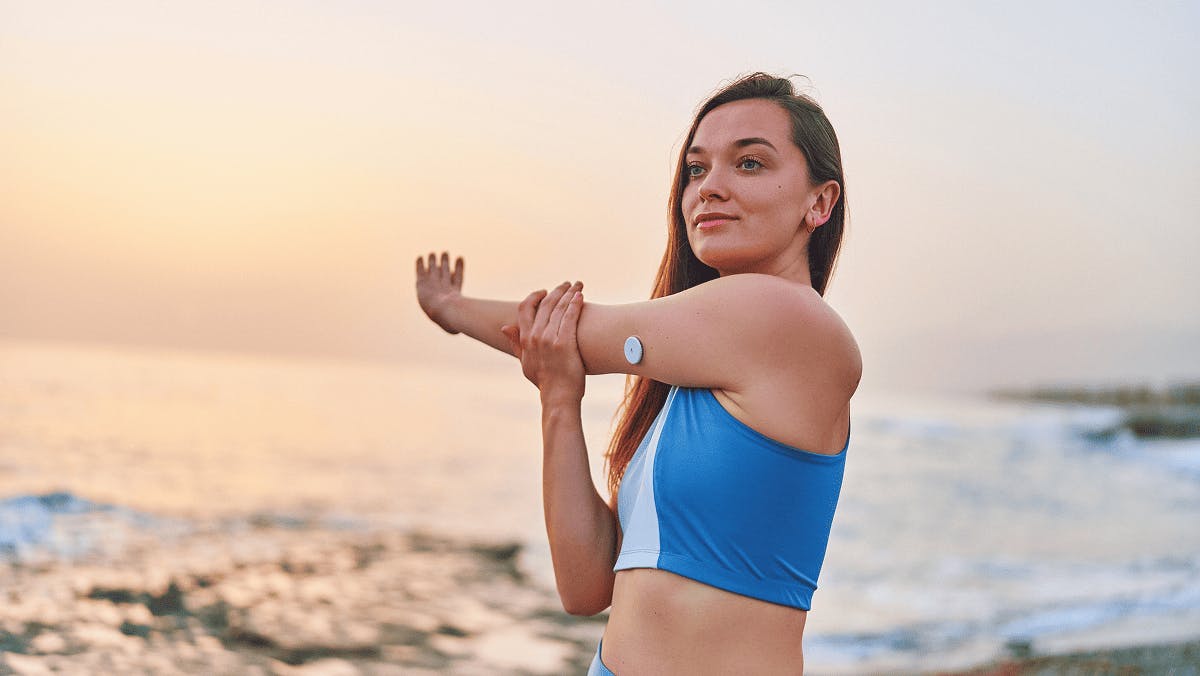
(721, 260)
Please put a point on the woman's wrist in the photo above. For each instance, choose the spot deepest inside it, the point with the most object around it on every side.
(447, 313)
(559, 403)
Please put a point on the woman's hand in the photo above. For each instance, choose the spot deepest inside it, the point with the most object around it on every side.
(544, 340)
(438, 286)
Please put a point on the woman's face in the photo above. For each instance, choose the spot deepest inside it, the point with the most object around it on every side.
(748, 191)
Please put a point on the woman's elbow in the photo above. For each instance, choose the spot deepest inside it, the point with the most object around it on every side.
(583, 607)
(585, 601)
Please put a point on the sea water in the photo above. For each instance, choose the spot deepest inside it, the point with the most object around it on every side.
(967, 529)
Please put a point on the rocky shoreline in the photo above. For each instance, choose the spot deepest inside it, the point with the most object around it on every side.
(277, 600)
(1177, 659)
(1172, 411)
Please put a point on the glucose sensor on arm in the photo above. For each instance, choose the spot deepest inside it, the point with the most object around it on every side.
(633, 350)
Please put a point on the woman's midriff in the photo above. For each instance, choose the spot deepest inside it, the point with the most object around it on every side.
(662, 624)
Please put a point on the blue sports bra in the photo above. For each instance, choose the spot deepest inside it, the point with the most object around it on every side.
(709, 498)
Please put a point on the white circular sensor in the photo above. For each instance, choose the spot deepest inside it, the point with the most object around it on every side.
(633, 350)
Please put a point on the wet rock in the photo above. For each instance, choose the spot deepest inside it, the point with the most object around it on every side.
(1168, 412)
(402, 635)
(1019, 648)
(116, 595)
(170, 602)
(452, 630)
(130, 629)
(1175, 422)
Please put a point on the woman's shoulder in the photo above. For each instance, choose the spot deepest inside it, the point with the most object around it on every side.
(780, 299)
(787, 302)
(802, 328)
(809, 329)
(834, 348)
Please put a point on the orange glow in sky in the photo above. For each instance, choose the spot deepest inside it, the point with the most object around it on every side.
(259, 176)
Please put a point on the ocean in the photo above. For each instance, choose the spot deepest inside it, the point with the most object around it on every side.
(968, 529)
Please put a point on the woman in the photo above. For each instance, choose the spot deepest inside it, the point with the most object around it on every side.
(727, 462)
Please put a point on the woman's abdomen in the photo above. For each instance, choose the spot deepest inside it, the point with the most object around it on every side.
(663, 623)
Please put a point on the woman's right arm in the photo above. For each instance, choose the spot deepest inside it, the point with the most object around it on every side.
(583, 532)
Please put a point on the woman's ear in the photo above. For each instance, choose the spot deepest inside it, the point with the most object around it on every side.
(827, 196)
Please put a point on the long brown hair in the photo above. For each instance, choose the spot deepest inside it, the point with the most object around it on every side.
(680, 269)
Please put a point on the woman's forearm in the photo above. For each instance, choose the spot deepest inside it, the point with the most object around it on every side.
(581, 528)
(481, 319)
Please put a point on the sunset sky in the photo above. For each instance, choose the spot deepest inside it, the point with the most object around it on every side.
(259, 175)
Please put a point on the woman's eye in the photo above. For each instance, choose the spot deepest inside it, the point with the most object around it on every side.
(749, 165)
(694, 170)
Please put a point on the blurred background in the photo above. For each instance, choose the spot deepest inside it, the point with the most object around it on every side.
(209, 214)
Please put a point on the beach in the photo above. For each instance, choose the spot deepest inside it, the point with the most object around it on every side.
(186, 513)
(273, 597)
(283, 598)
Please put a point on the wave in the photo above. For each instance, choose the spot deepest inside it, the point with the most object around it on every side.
(62, 525)
(1165, 596)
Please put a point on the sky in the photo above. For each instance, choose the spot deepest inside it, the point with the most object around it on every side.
(259, 176)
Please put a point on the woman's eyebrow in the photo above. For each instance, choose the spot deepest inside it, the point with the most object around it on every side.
(740, 143)
(755, 140)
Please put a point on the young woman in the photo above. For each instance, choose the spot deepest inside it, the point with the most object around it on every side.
(726, 464)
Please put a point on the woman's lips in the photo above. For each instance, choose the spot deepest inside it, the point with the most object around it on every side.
(711, 223)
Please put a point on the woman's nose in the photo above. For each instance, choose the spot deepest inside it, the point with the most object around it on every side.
(714, 186)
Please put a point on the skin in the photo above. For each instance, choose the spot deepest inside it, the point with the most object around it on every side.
(773, 353)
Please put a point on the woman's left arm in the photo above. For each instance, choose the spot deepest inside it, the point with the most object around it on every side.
(723, 333)
(439, 293)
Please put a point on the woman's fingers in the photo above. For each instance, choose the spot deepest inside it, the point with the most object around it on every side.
(545, 308)
(444, 267)
(544, 338)
(554, 325)
(527, 311)
(437, 266)
(570, 319)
